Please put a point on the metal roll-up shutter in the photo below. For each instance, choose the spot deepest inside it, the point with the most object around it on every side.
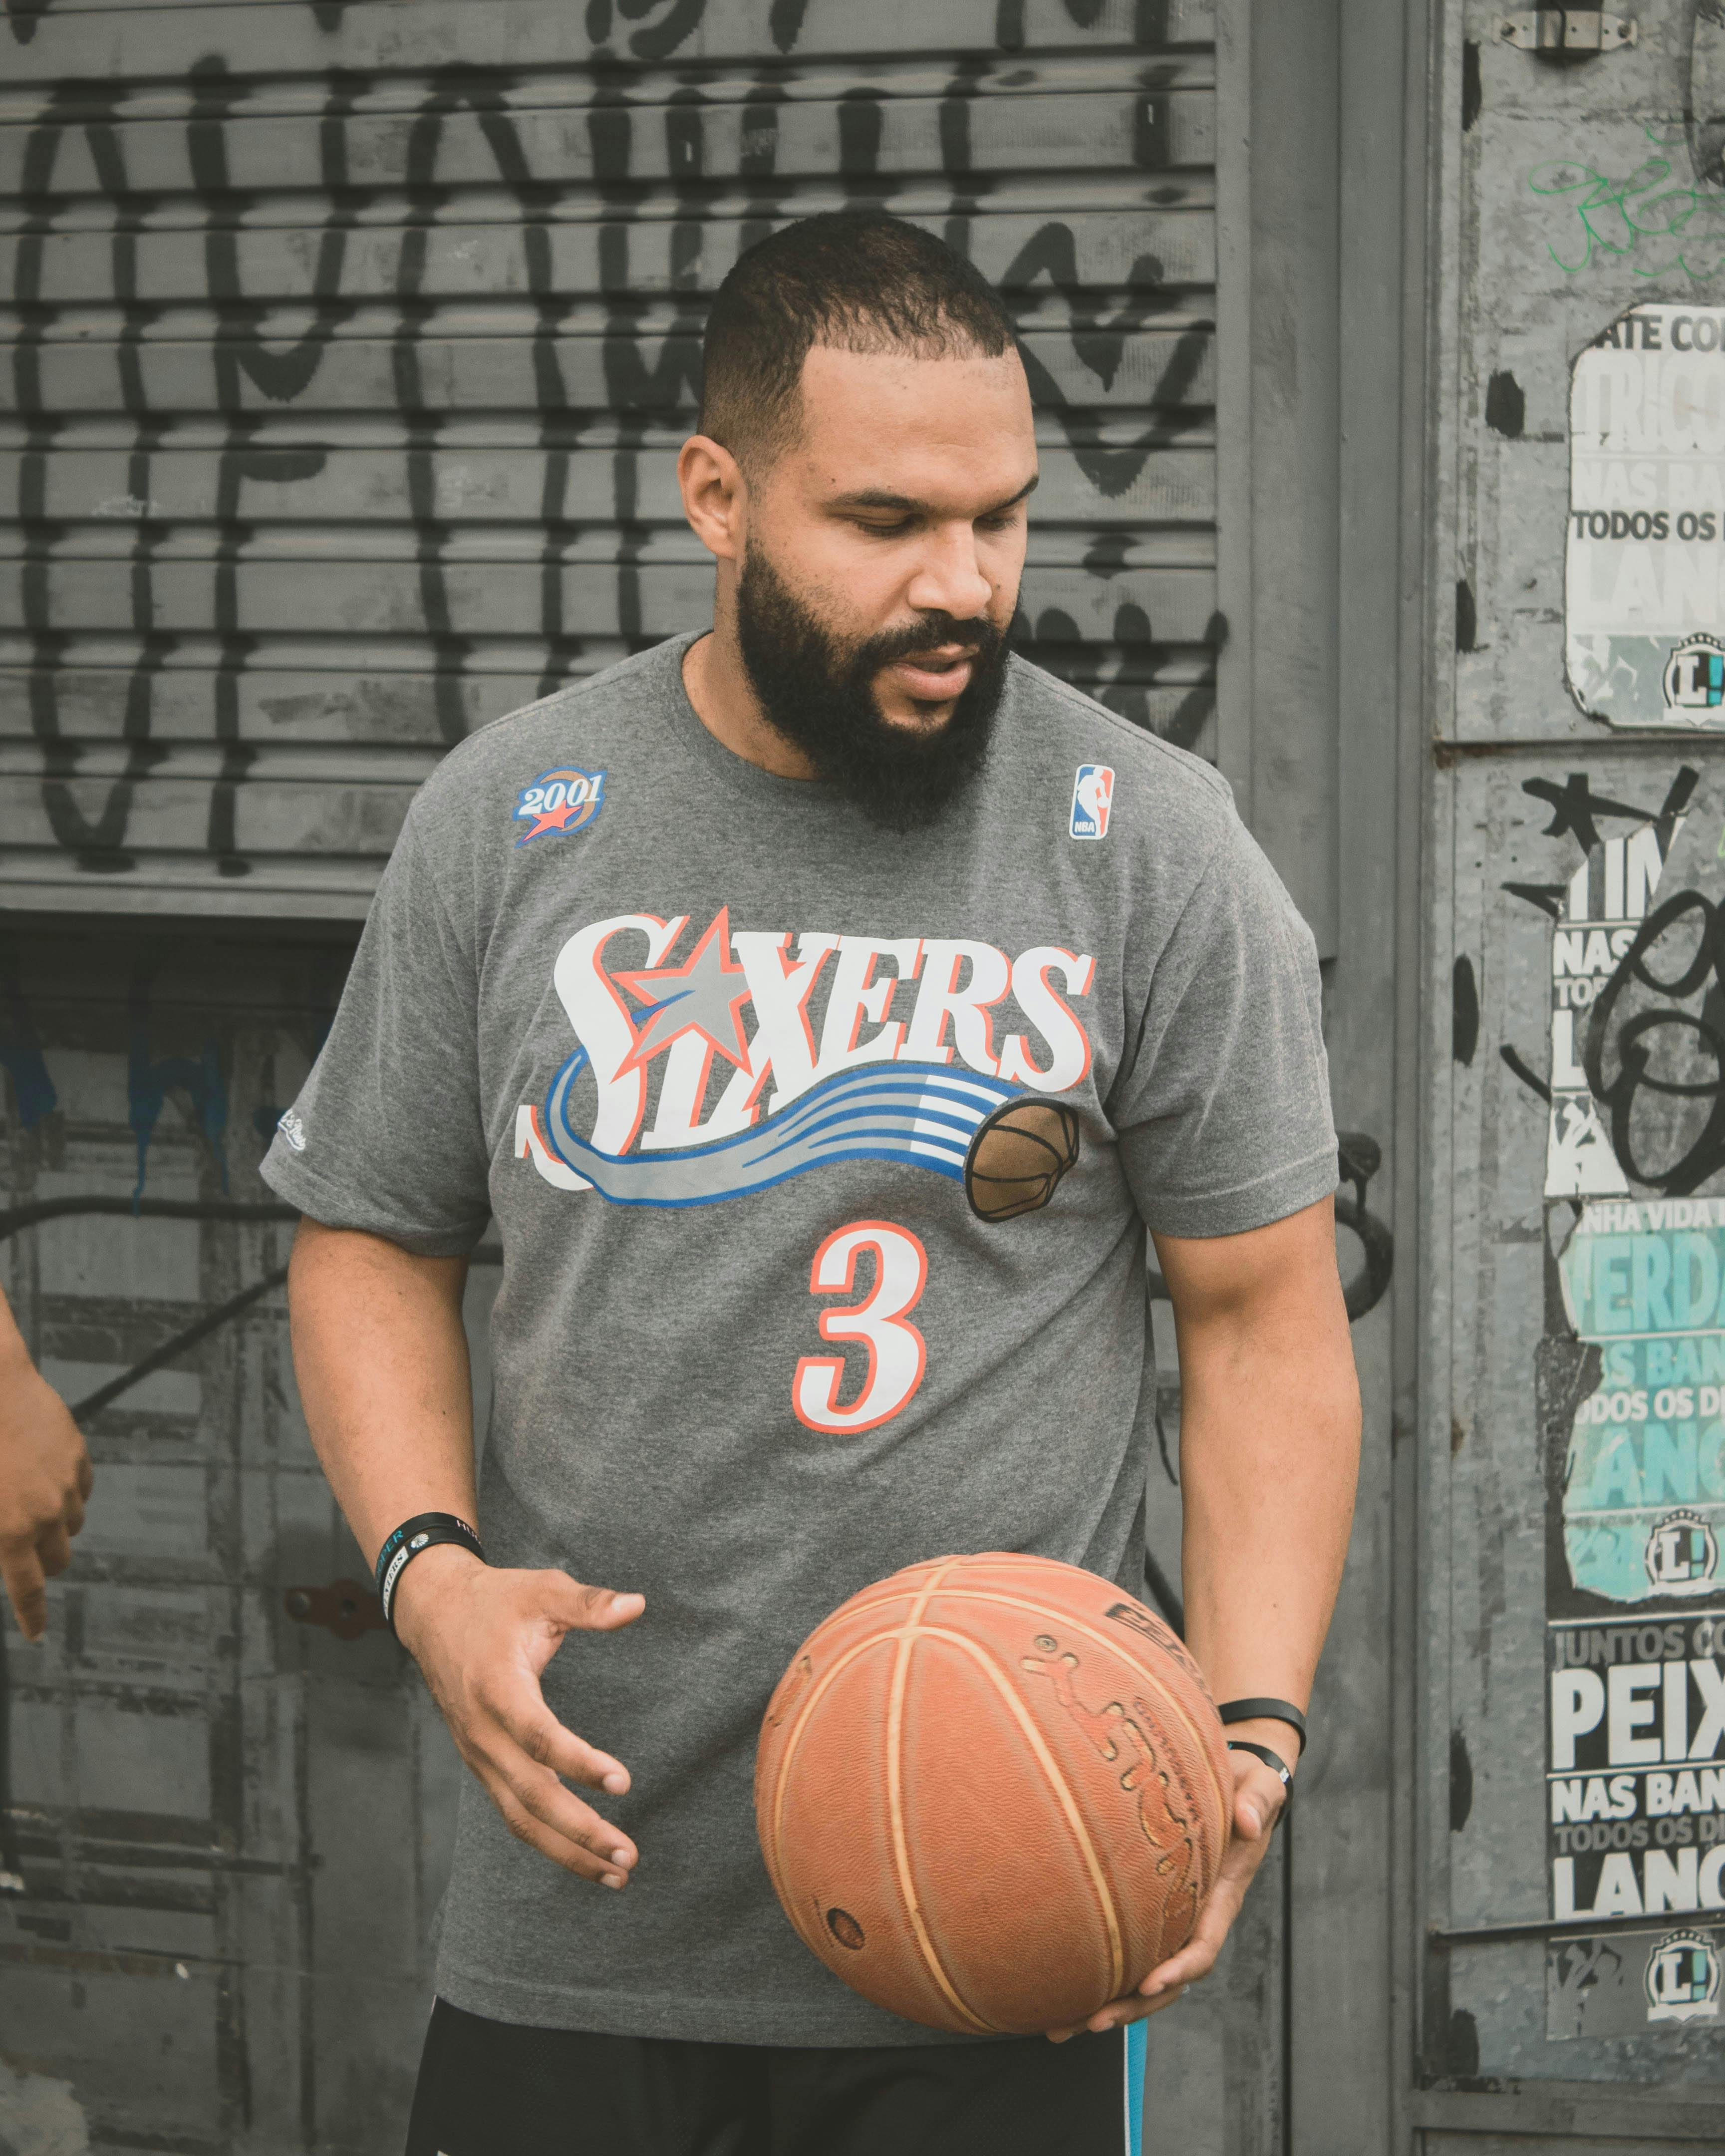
(350, 347)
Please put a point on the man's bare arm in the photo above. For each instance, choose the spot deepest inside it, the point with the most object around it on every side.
(45, 1479)
(381, 1357)
(1269, 1425)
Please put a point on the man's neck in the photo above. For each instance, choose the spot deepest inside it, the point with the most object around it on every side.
(725, 703)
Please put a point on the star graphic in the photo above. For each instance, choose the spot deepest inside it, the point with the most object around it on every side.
(551, 820)
(704, 995)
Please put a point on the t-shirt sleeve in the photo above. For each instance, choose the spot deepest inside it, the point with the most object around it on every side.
(1223, 1110)
(387, 1133)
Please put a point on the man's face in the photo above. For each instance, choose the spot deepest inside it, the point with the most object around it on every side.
(880, 571)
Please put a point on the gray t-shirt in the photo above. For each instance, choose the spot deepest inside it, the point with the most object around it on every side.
(712, 1049)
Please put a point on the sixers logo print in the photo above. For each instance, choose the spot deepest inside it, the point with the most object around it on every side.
(710, 1061)
(1092, 797)
(559, 802)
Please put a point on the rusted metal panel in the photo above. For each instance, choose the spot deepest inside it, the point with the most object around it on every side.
(348, 351)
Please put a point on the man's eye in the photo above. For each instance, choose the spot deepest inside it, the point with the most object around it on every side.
(877, 531)
(1003, 521)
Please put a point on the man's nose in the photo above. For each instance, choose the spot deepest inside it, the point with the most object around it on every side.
(949, 578)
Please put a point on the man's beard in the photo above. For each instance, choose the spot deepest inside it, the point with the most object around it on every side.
(820, 696)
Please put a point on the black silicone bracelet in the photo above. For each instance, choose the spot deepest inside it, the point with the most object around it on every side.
(1265, 1710)
(1276, 1766)
(424, 1532)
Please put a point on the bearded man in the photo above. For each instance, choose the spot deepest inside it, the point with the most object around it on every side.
(682, 974)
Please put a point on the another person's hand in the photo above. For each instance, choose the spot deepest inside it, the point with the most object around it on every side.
(45, 1479)
(1258, 1799)
(482, 1636)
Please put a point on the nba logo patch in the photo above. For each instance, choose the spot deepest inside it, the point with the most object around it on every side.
(1092, 797)
(559, 802)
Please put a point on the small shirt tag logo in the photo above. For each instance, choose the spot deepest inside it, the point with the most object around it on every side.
(1092, 797)
(559, 802)
(292, 1129)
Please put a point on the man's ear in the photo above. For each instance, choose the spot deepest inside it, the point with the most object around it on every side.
(715, 497)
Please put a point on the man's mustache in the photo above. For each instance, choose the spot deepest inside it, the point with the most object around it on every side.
(975, 636)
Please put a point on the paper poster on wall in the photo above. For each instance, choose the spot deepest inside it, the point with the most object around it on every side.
(1644, 1483)
(1636, 1769)
(1644, 559)
(1631, 1398)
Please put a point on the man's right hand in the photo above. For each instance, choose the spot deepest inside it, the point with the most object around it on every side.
(45, 1479)
(482, 1636)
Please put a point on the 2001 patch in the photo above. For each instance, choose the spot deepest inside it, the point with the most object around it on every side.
(559, 802)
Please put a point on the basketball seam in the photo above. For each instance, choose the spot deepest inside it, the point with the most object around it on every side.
(1068, 1802)
(908, 1632)
(793, 1736)
(1113, 1646)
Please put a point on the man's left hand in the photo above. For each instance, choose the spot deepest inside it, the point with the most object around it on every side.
(1258, 1799)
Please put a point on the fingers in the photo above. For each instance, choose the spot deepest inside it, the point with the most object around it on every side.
(533, 1754)
(606, 1867)
(72, 1511)
(26, 1587)
(53, 1549)
(1118, 2012)
(1195, 1959)
(544, 1740)
(575, 1608)
(538, 1809)
(1260, 1796)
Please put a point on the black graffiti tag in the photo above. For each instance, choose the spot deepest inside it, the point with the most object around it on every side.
(1626, 1034)
(650, 371)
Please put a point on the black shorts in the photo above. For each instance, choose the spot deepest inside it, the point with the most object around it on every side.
(488, 2088)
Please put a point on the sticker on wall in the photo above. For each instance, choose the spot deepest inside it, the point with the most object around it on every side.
(1645, 561)
(1630, 1981)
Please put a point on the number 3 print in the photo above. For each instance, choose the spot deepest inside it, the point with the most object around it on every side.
(896, 1352)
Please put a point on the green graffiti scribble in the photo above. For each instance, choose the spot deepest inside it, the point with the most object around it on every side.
(1634, 216)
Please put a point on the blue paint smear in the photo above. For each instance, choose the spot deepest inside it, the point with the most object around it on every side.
(20, 1056)
(148, 1084)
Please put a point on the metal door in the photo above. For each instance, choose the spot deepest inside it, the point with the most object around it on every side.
(1572, 1900)
(349, 347)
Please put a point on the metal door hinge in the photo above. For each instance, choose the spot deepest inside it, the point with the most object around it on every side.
(347, 1606)
(1565, 30)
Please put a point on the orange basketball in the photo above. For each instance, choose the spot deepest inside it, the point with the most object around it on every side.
(993, 1793)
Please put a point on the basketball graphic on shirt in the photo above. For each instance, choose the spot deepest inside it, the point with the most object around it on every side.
(1018, 1158)
(993, 1793)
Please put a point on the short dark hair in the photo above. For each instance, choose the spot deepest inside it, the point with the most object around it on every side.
(855, 281)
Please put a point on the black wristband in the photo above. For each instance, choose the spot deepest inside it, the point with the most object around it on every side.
(1267, 1710)
(1276, 1766)
(424, 1532)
